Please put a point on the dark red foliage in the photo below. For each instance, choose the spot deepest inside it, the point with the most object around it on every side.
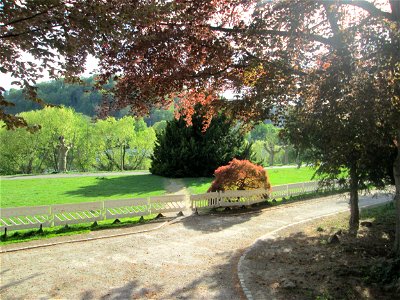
(240, 175)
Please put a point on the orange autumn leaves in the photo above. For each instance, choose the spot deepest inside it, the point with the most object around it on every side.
(240, 175)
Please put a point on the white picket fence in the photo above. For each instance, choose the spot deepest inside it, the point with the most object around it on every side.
(61, 214)
(248, 197)
(55, 215)
(228, 198)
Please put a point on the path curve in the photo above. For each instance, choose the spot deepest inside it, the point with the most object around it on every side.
(193, 258)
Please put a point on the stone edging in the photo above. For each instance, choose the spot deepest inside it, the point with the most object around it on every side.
(271, 235)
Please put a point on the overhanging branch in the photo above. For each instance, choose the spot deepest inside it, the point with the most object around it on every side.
(365, 5)
(265, 32)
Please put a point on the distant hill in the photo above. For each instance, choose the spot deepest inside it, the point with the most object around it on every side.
(83, 98)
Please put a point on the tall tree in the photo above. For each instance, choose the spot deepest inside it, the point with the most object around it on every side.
(342, 129)
(268, 134)
(183, 150)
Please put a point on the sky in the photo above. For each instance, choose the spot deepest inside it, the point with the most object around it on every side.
(6, 79)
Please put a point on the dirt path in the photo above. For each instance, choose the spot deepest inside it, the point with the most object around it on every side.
(194, 258)
(177, 187)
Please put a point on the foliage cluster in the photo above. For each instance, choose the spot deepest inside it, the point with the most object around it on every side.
(189, 151)
(269, 148)
(109, 144)
(240, 175)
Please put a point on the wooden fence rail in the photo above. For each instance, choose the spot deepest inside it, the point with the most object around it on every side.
(61, 214)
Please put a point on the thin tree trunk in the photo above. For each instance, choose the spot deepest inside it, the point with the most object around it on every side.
(29, 166)
(111, 162)
(298, 160)
(44, 155)
(123, 157)
(62, 159)
(138, 162)
(396, 200)
(354, 210)
(270, 150)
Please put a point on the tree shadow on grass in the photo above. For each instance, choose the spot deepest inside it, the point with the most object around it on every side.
(198, 182)
(136, 185)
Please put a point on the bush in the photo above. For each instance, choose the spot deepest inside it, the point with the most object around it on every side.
(240, 175)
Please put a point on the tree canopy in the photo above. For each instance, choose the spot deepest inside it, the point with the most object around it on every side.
(193, 151)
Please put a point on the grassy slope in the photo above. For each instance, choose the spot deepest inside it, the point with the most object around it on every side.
(32, 192)
(47, 191)
(277, 176)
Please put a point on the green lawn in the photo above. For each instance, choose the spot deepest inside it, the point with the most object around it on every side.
(198, 185)
(277, 176)
(32, 192)
(47, 191)
(35, 234)
(281, 176)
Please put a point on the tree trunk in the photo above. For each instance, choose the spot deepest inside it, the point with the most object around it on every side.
(111, 162)
(354, 210)
(270, 150)
(396, 200)
(62, 155)
(123, 157)
(28, 169)
(298, 160)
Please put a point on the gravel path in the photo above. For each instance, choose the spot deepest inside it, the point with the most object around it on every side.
(193, 258)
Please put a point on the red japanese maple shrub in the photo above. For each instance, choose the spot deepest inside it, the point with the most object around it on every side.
(240, 175)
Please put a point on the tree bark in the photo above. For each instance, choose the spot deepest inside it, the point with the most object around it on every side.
(354, 210)
(270, 150)
(396, 200)
(123, 157)
(62, 155)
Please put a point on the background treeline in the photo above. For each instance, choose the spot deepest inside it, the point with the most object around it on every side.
(111, 144)
(117, 143)
(83, 98)
(269, 149)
